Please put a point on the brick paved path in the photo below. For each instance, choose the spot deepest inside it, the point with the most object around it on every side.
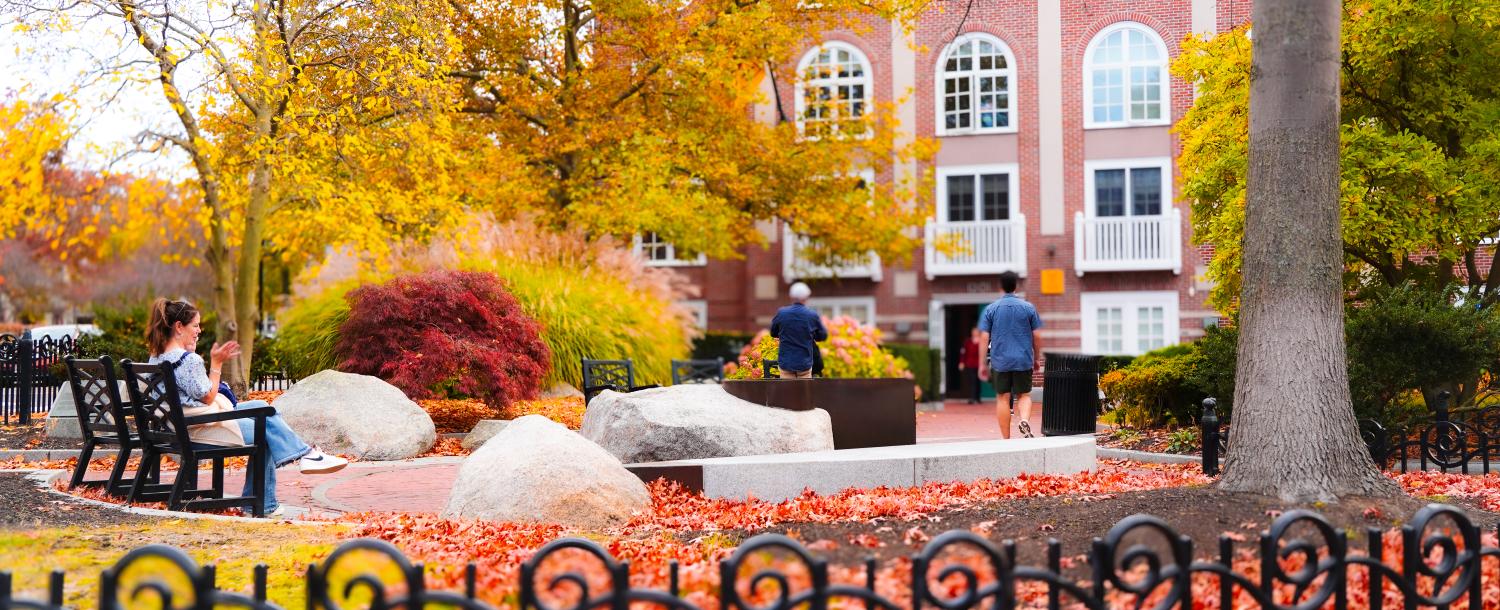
(422, 485)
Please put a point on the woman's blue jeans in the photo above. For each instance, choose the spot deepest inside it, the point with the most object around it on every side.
(285, 448)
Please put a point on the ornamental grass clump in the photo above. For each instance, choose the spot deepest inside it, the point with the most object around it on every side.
(444, 334)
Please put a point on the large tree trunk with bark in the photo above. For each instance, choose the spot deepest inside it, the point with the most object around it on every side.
(1294, 435)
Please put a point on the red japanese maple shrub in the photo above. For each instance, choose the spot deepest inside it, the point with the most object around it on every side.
(444, 334)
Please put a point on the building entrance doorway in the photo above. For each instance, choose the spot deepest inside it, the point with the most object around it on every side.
(958, 321)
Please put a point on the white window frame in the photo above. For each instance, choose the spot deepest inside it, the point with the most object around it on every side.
(639, 246)
(1009, 72)
(1090, 195)
(1088, 77)
(838, 303)
(868, 81)
(1012, 172)
(1128, 302)
(699, 307)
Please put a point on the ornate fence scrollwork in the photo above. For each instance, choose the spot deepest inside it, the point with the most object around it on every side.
(1303, 563)
(31, 374)
(1462, 441)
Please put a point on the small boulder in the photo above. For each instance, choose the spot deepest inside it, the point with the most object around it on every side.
(561, 389)
(357, 415)
(536, 470)
(483, 431)
(694, 421)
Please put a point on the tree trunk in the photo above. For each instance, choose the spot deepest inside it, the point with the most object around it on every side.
(1294, 435)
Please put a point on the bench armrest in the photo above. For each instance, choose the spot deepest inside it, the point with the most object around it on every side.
(643, 387)
(257, 412)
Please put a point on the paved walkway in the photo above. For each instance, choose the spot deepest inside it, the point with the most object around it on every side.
(422, 485)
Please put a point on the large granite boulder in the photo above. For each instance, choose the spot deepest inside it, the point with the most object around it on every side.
(539, 471)
(693, 421)
(357, 415)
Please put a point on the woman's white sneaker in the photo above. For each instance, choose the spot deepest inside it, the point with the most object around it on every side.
(317, 462)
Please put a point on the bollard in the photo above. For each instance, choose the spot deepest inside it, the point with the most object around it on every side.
(25, 362)
(1210, 422)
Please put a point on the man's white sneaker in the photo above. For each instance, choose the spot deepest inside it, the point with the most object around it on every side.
(317, 462)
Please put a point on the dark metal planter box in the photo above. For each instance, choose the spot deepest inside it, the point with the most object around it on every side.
(864, 412)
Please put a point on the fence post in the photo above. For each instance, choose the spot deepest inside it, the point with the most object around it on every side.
(1210, 422)
(1440, 406)
(25, 362)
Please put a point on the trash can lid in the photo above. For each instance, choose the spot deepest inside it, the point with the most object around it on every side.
(1072, 361)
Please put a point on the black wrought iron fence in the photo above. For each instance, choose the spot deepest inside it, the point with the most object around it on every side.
(272, 381)
(31, 374)
(1300, 562)
(1465, 441)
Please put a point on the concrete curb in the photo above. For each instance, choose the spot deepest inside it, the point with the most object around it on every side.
(31, 455)
(45, 478)
(1106, 453)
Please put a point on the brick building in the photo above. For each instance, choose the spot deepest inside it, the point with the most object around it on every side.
(1057, 161)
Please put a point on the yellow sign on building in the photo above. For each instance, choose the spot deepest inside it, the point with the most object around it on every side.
(1052, 281)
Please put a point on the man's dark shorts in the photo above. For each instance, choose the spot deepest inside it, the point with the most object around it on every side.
(1006, 382)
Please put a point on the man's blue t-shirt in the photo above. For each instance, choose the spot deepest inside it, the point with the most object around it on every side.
(798, 327)
(1009, 321)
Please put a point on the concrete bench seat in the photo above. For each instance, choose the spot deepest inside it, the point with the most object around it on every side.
(782, 476)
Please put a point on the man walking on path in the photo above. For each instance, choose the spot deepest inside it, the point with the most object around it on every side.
(1009, 326)
(799, 329)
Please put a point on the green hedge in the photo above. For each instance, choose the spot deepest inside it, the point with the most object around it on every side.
(926, 367)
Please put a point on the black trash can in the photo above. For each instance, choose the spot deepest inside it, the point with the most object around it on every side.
(1070, 394)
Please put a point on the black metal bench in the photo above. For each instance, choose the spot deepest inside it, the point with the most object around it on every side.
(601, 375)
(698, 371)
(103, 419)
(163, 430)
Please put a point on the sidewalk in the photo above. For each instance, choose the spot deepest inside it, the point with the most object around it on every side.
(422, 485)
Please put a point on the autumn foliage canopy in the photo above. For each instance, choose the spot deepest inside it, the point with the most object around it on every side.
(444, 334)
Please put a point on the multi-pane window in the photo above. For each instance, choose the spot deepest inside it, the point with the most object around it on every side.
(859, 308)
(977, 196)
(975, 86)
(834, 91)
(1125, 77)
(1128, 191)
(1111, 333)
(1129, 323)
(1151, 328)
(657, 251)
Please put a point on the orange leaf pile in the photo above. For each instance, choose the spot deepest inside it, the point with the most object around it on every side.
(565, 410)
(456, 415)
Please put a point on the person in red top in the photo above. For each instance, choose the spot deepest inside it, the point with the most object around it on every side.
(968, 365)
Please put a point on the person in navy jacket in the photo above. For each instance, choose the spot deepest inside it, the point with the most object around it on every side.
(799, 328)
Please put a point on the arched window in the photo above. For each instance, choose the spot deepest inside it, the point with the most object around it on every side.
(1125, 78)
(833, 91)
(976, 86)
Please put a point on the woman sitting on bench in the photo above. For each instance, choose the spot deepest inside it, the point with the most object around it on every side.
(172, 335)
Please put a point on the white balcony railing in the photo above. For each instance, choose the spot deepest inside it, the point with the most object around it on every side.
(794, 267)
(1128, 243)
(976, 247)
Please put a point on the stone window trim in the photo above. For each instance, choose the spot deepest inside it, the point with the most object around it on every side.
(973, 76)
(1160, 64)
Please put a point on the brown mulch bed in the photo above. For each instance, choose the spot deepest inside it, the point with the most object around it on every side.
(34, 436)
(1201, 513)
(1155, 440)
(24, 506)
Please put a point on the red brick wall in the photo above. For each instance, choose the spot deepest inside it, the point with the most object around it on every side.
(729, 285)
